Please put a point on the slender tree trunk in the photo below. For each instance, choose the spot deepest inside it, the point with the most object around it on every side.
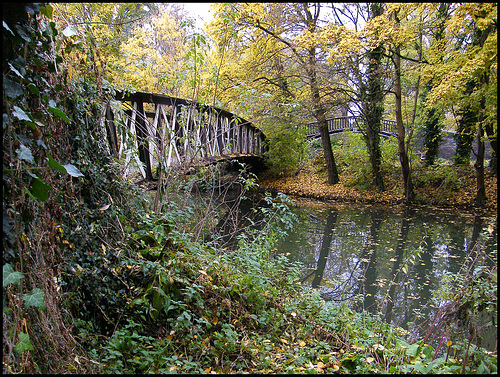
(479, 166)
(403, 155)
(319, 114)
(479, 39)
(465, 130)
(373, 106)
(319, 111)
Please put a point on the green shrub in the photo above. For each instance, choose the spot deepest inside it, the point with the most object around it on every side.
(287, 148)
(352, 156)
(440, 176)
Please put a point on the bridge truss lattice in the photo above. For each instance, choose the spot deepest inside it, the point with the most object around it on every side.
(177, 131)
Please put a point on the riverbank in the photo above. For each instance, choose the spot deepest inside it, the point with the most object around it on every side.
(450, 187)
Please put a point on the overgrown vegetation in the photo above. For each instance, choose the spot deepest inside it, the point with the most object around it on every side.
(97, 279)
(287, 147)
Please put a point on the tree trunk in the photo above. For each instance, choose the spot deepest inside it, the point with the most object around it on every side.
(318, 109)
(320, 115)
(373, 106)
(373, 97)
(403, 155)
(479, 166)
(465, 130)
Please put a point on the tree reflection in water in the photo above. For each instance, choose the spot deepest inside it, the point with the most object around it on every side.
(393, 257)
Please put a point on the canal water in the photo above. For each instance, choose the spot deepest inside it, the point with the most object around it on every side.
(389, 261)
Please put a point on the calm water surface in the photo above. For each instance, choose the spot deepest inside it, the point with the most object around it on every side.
(388, 260)
(393, 257)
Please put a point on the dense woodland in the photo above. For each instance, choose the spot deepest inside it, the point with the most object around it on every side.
(97, 279)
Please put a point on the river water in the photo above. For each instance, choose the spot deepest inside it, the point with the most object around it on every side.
(392, 259)
(387, 260)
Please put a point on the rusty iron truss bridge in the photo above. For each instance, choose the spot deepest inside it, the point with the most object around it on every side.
(177, 132)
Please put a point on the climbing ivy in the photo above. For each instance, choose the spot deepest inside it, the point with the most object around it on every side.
(57, 173)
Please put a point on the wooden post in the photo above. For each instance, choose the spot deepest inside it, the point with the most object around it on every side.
(142, 141)
(111, 131)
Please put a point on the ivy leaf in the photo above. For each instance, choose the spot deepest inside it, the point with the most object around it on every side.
(10, 276)
(24, 343)
(20, 114)
(72, 170)
(40, 189)
(35, 298)
(24, 153)
(12, 89)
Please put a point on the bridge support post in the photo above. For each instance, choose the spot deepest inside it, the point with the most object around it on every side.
(111, 131)
(142, 141)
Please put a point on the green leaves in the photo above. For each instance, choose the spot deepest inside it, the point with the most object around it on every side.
(24, 153)
(34, 299)
(59, 113)
(56, 165)
(10, 276)
(24, 343)
(47, 10)
(12, 89)
(39, 190)
(69, 31)
(72, 170)
(68, 168)
(20, 114)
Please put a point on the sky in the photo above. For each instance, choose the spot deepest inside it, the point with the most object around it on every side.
(200, 11)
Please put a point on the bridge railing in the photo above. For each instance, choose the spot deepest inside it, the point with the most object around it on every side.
(345, 123)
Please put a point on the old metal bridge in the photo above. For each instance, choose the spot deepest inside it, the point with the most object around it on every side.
(349, 123)
(176, 132)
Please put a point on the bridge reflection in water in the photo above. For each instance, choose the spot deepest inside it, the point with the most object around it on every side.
(177, 132)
